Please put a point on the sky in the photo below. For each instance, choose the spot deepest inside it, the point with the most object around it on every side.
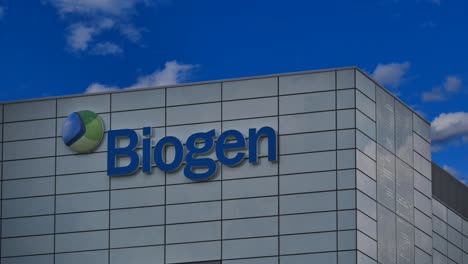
(418, 49)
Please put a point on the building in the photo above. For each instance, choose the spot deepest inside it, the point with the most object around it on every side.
(342, 174)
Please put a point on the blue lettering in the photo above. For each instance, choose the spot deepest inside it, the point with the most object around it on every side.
(113, 152)
(160, 149)
(255, 136)
(147, 150)
(194, 150)
(222, 146)
(199, 145)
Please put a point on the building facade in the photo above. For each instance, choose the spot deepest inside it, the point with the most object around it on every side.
(351, 181)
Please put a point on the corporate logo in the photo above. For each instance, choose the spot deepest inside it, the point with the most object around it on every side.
(83, 130)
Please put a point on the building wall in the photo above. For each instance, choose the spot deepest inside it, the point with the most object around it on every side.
(450, 232)
(393, 179)
(352, 184)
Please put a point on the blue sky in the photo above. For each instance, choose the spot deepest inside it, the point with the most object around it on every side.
(416, 48)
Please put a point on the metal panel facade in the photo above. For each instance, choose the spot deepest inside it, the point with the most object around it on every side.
(340, 176)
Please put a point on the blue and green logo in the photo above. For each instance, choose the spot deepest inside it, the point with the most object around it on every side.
(82, 131)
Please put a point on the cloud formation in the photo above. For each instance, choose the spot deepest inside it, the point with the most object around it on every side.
(435, 95)
(451, 85)
(89, 19)
(106, 48)
(449, 125)
(172, 73)
(391, 74)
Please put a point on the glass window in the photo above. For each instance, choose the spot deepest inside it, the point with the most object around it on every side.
(386, 228)
(385, 120)
(404, 131)
(386, 178)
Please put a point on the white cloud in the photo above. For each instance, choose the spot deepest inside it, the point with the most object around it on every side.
(435, 95)
(172, 73)
(391, 74)
(106, 48)
(449, 125)
(95, 7)
(452, 84)
(89, 19)
(97, 88)
(80, 36)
